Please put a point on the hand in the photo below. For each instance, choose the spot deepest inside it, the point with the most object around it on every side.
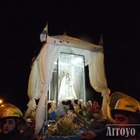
(88, 135)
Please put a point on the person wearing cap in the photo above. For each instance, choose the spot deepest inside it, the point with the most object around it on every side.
(125, 118)
(10, 120)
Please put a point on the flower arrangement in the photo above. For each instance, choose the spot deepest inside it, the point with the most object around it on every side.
(71, 116)
(67, 118)
(63, 126)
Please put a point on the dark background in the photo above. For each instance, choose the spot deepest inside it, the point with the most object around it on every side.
(21, 23)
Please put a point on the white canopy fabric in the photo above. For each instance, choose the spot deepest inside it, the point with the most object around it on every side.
(43, 66)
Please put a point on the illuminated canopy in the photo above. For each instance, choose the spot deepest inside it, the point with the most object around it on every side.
(43, 66)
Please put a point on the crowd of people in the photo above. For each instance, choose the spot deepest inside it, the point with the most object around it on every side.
(124, 122)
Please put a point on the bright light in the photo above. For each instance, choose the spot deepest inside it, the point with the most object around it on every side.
(1, 101)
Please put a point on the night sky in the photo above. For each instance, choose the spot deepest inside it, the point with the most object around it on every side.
(21, 23)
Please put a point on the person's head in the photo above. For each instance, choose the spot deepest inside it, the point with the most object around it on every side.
(123, 109)
(10, 117)
(126, 111)
(8, 125)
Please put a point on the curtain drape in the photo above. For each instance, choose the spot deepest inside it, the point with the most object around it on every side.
(98, 79)
(34, 86)
(48, 57)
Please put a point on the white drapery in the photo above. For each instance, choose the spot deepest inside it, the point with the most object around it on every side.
(43, 66)
(48, 57)
(98, 79)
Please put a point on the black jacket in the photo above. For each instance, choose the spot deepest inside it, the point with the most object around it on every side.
(13, 135)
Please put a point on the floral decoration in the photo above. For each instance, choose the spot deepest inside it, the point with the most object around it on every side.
(71, 116)
(68, 118)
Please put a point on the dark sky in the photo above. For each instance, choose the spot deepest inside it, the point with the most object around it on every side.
(21, 23)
